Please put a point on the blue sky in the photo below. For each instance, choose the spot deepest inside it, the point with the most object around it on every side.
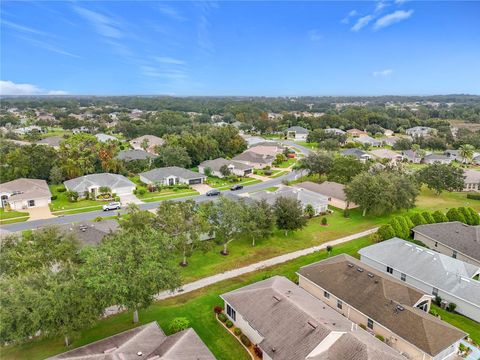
(240, 48)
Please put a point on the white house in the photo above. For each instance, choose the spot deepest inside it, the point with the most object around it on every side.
(472, 180)
(428, 271)
(118, 184)
(420, 131)
(172, 175)
(236, 167)
(25, 193)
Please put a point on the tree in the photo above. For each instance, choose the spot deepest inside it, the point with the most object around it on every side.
(397, 228)
(309, 211)
(259, 221)
(289, 214)
(454, 215)
(409, 222)
(474, 216)
(317, 163)
(418, 219)
(225, 170)
(136, 219)
(439, 217)
(404, 225)
(428, 217)
(442, 177)
(386, 232)
(225, 217)
(129, 268)
(172, 155)
(466, 151)
(466, 214)
(78, 155)
(345, 168)
(183, 224)
(56, 175)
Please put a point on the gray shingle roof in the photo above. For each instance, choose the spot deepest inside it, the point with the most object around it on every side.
(440, 271)
(327, 188)
(377, 297)
(26, 189)
(471, 176)
(456, 235)
(157, 175)
(135, 155)
(112, 181)
(298, 129)
(354, 152)
(216, 164)
(149, 340)
(104, 137)
(281, 311)
(91, 233)
(254, 157)
(305, 196)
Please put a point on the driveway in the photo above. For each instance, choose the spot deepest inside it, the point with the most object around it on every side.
(201, 188)
(39, 213)
(129, 198)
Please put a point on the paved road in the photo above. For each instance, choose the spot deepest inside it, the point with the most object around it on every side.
(86, 216)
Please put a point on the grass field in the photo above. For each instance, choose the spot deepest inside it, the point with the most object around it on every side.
(225, 184)
(262, 172)
(169, 195)
(12, 215)
(61, 203)
(286, 164)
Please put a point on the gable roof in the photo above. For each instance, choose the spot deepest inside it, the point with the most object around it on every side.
(410, 154)
(305, 196)
(438, 270)
(293, 323)
(386, 154)
(216, 164)
(104, 137)
(437, 157)
(251, 156)
(159, 174)
(149, 340)
(354, 152)
(113, 181)
(456, 235)
(152, 140)
(327, 188)
(135, 154)
(384, 299)
(297, 129)
(26, 189)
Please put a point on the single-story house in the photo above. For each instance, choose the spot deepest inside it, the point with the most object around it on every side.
(472, 180)
(91, 233)
(104, 137)
(53, 141)
(476, 160)
(335, 193)
(137, 154)
(455, 239)
(357, 153)
(334, 131)
(412, 156)
(172, 175)
(287, 323)
(118, 184)
(356, 133)
(306, 197)
(236, 167)
(437, 159)
(25, 193)
(297, 133)
(252, 140)
(271, 150)
(80, 129)
(455, 155)
(390, 141)
(368, 140)
(420, 131)
(27, 129)
(428, 271)
(150, 141)
(255, 160)
(385, 306)
(143, 342)
(387, 154)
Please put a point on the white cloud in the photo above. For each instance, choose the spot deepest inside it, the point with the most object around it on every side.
(171, 12)
(315, 35)
(380, 6)
(383, 73)
(351, 14)
(169, 60)
(105, 26)
(362, 22)
(392, 18)
(10, 88)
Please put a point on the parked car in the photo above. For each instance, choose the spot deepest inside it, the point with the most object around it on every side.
(236, 187)
(112, 206)
(213, 192)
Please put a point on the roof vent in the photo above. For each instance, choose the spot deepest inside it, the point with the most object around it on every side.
(139, 353)
(359, 269)
(276, 298)
(350, 265)
(312, 324)
(370, 275)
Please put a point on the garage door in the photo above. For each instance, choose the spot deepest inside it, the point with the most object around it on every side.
(123, 190)
(195, 181)
(248, 171)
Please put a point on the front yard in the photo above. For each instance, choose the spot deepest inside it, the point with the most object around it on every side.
(286, 164)
(62, 205)
(261, 172)
(225, 183)
(9, 217)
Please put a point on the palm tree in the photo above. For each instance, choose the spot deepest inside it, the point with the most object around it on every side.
(466, 152)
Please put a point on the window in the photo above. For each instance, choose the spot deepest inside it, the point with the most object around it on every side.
(31, 202)
(231, 312)
(339, 304)
(403, 277)
(423, 305)
(326, 295)
(435, 292)
(389, 270)
(454, 254)
(370, 324)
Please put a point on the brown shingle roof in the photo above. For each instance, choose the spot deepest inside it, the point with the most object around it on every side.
(26, 189)
(378, 297)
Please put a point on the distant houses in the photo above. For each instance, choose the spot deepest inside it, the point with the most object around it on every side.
(215, 166)
(52, 141)
(104, 137)
(172, 175)
(361, 155)
(437, 159)
(25, 194)
(297, 133)
(388, 155)
(91, 233)
(367, 140)
(355, 133)
(92, 184)
(147, 143)
(254, 159)
(412, 156)
(420, 131)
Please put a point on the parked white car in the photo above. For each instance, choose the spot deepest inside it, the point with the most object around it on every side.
(112, 206)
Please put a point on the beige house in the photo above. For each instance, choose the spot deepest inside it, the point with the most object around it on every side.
(356, 133)
(236, 167)
(254, 159)
(388, 155)
(151, 141)
(383, 305)
(335, 193)
(287, 323)
(25, 193)
(472, 180)
(455, 239)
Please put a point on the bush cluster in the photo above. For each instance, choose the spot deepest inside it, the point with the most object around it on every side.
(245, 340)
(473, 196)
(237, 331)
(229, 323)
(222, 317)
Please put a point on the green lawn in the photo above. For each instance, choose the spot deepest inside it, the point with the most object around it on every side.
(271, 188)
(9, 215)
(469, 326)
(61, 203)
(196, 306)
(225, 184)
(169, 195)
(427, 200)
(309, 145)
(262, 172)
(287, 163)
(280, 173)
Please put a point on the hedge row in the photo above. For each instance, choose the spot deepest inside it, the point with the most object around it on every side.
(400, 226)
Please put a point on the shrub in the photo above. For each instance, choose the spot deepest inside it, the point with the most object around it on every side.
(141, 191)
(437, 300)
(72, 196)
(346, 213)
(309, 211)
(324, 221)
(258, 351)
(98, 219)
(237, 331)
(405, 228)
(222, 317)
(418, 219)
(380, 337)
(217, 309)
(54, 197)
(466, 214)
(474, 215)
(397, 227)
(245, 340)
(451, 307)
(428, 217)
(179, 324)
(268, 172)
(386, 232)
(439, 217)
(454, 215)
(409, 222)
(363, 326)
(473, 196)
(61, 189)
(229, 324)
(434, 312)
(329, 249)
